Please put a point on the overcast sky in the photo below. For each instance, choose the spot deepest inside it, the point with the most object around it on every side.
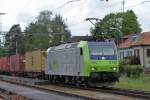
(25, 11)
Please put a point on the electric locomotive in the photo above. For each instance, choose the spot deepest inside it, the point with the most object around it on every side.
(92, 63)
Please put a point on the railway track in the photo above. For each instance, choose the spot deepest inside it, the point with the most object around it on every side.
(131, 93)
(119, 91)
(7, 95)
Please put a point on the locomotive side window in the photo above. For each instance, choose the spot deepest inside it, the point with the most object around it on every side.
(81, 51)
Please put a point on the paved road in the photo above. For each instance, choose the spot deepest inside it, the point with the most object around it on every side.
(33, 93)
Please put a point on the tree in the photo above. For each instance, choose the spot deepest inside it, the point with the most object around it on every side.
(115, 25)
(130, 23)
(37, 36)
(14, 40)
(46, 31)
(60, 31)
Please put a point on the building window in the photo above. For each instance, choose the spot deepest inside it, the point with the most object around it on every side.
(148, 52)
(121, 55)
(137, 53)
(130, 53)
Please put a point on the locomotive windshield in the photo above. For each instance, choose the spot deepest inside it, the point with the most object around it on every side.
(101, 48)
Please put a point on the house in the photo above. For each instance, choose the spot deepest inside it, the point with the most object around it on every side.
(125, 45)
(136, 45)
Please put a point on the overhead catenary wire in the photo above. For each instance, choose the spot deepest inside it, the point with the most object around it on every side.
(68, 2)
(72, 6)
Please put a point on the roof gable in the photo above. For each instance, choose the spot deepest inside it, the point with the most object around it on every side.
(136, 40)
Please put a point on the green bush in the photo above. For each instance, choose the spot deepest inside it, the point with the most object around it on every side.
(133, 60)
(130, 66)
(133, 71)
(126, 61)
(121, 68)
(136, 71)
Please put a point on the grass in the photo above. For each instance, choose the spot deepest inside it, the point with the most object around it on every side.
(141, 83)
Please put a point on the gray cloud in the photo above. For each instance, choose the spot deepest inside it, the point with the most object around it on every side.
(25, 11)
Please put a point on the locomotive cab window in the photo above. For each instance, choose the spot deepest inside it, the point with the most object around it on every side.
(81, 51)
(108, 50)
(101, 49)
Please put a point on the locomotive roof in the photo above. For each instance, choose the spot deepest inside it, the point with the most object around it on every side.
(74, 45)
(63, 46)
(102, 43)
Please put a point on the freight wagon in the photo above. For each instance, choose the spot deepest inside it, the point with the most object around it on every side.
(35, 63)
(4, 65)
(17, 64)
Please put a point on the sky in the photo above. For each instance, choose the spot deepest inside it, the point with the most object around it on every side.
(74, 13)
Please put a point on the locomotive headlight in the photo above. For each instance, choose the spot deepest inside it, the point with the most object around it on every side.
(93, 69)
(114, 68)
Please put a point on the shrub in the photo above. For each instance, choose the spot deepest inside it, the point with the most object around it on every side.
(121, 68)
(125, 61)
(133, 71)
(133, 60)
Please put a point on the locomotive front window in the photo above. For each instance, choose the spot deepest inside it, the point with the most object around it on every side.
(95, 50)
(108, 50)
(99, 49)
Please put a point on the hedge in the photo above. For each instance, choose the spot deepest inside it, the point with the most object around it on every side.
(133, 71)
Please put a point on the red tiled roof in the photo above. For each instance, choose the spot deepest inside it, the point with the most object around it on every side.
(145, 40)
(127, 36)
(126, 44)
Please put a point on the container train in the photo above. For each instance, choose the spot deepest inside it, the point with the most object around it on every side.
(92, 63)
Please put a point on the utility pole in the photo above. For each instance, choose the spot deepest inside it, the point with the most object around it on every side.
(1, 14)
(1, 33)
(16, 47)
(123, 5)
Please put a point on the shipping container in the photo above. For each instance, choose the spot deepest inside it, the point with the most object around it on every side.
(28, 62)
(1, 64)
(35, 61)
(6, 64)
(17, 63)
